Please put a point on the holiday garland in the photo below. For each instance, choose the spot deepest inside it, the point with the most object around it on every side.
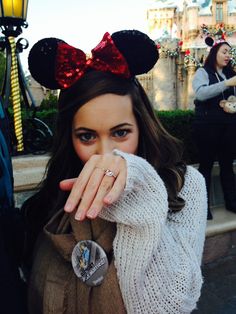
(218, 33)
(169, 51)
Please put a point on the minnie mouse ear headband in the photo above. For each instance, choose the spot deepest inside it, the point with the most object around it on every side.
(211, 42)
(56, 65)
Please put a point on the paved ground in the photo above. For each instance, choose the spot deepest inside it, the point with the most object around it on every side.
(219, 289)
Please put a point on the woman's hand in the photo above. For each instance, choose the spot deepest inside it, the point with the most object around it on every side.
(231, 81)
(101, 181)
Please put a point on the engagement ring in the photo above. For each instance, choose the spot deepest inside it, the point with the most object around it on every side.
(107, 172)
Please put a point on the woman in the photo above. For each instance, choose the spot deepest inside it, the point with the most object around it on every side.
(214, 129)
(134, 197)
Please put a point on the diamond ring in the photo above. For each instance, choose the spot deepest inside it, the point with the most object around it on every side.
(107, 172)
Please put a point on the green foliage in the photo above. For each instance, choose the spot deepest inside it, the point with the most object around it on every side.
(2, 69)
(46, 114)
(49, 103)
(179, 124)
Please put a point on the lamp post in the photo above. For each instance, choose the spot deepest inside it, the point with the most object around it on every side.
(12, 19)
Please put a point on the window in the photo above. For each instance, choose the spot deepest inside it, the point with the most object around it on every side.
(219, 12)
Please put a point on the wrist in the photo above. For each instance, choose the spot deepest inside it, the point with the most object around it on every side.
(227, 83)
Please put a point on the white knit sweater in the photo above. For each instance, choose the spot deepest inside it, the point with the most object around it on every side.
(158, 254)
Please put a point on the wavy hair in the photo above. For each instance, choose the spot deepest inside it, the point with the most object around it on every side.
(156, 145)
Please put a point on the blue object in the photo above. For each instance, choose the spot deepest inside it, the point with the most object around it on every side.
(6, 172)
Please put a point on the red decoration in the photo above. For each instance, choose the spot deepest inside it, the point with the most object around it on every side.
(158, 46)
(187, 52)
(71, 63)
(180, 43)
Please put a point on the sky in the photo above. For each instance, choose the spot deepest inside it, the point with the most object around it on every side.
(81, 23)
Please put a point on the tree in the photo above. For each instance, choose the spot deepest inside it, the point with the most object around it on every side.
(49, 103)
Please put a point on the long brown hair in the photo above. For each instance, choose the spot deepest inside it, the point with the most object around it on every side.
(156, 145)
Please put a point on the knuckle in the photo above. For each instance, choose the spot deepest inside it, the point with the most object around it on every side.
(106, 157)
(95, 158)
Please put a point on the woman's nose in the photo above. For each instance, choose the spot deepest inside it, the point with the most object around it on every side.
(105, 147)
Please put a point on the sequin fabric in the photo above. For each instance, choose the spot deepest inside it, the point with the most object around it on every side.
(71, 63)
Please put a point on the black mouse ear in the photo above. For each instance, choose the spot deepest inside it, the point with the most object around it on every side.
(41, 61)
(139, 51)
(209, 41)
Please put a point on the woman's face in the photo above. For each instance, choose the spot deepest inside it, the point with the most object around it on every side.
(223, 56)
(105, 123)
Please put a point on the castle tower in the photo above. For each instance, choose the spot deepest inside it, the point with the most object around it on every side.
(183, 19)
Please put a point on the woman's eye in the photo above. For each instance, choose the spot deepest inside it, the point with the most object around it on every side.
(85, 137)
(120, 133)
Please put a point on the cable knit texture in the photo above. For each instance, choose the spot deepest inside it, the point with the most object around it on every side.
(158, 253)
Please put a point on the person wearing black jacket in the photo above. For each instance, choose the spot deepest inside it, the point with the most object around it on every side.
(12, 287)
(213, 128)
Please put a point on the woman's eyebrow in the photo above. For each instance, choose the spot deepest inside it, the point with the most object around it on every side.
(84, 129)
(121, 125)
(113, 128)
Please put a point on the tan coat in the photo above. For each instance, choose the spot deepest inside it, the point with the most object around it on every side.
(54, 287)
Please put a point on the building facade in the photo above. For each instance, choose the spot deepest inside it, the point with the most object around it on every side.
(178, 29)
(38, 91)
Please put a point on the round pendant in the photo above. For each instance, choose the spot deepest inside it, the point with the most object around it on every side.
(89, 262)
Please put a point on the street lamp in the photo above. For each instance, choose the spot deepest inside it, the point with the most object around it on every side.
(37, 134)
(12, 18)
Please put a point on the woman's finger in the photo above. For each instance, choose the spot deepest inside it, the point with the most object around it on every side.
(98, 203)
(117, 189)
(89, 194)
(109, 191)
(79, 185)
(66, 185)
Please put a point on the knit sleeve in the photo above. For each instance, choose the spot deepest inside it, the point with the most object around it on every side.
(201, 87)
(140, 215)
(191, 221)
(156, 253)
(144, 201)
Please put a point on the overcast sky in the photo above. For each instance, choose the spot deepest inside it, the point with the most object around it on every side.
(81, 23)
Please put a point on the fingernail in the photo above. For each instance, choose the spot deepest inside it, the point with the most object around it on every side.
(91, 213)
(78, 215)
(108, 199)
(68, 207)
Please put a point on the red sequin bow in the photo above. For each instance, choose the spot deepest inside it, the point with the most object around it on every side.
(71, 63)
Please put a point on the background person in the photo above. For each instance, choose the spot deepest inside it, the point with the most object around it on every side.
(214, 129)
(134, 196)
(12, 287)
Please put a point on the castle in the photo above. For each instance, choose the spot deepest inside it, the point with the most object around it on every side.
(179, 29)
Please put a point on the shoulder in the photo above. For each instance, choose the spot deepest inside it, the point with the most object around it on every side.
(201, 77)
(201, 72)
